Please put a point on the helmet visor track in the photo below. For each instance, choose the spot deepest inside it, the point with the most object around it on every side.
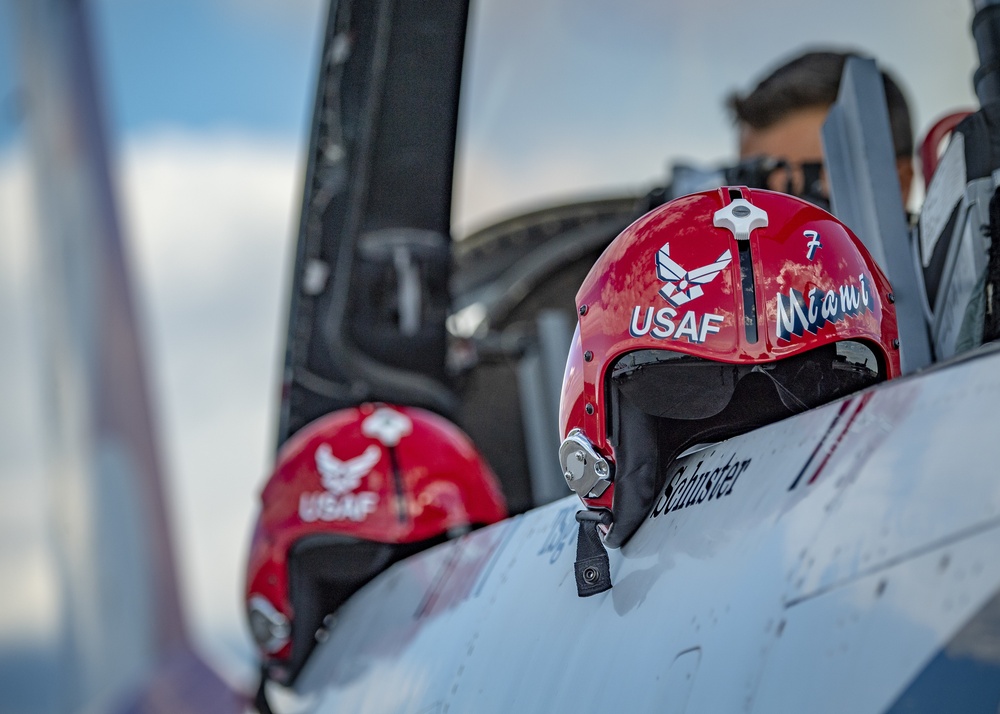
(678, 386)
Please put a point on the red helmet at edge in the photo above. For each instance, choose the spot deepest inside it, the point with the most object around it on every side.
(715, 313)
(353, 492)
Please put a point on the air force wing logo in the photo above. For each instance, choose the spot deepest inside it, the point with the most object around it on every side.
(683, 285)
(340, 477)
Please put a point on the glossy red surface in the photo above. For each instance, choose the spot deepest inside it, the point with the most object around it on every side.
(626, 304)
(333, 477)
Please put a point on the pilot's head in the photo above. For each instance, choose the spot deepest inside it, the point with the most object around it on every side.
(353, 492)
(712, 315)
(782, 116)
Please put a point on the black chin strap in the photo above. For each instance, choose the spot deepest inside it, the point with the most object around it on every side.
(638, 476)
(260, 699)
(593, 569)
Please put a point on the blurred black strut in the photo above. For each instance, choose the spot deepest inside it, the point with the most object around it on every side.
(369, 293)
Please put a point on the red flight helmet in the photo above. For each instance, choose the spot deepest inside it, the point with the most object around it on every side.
(353, 492)
(715, 313)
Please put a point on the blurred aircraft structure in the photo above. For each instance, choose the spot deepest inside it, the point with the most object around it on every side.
(121, 641)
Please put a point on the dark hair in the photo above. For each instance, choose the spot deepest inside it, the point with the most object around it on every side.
(810, 80)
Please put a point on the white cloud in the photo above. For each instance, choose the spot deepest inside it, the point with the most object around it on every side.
(16, 217)
(28, 602)
(18, 305)
(211, 219)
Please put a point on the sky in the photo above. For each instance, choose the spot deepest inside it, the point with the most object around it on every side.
(208, 107)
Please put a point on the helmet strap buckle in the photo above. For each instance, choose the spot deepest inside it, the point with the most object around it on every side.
(592, 566)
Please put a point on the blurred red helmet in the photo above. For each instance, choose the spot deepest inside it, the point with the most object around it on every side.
(714, 314)
(353, 492)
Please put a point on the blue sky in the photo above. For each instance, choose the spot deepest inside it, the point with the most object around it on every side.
(197, 64)
(205, 64)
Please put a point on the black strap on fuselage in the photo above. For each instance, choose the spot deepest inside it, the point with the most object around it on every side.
(592, 567)
(260, 699)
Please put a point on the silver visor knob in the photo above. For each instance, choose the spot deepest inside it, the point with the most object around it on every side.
(587, 473)
(741, 217)
(270, 628)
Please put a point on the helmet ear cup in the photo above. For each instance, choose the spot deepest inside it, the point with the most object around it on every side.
(646, 442)
(324, 571)
(638, 476)
(646, 445)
